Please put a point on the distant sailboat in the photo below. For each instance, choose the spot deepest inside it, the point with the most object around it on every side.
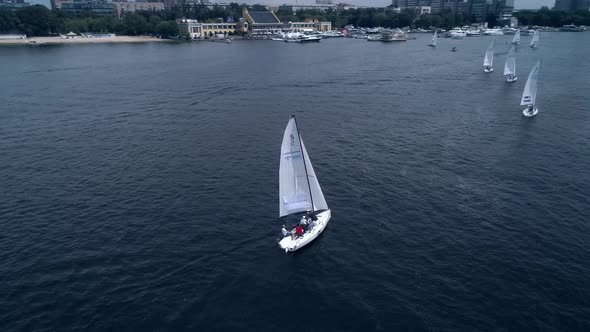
(529, 95)
(488, 61)
(535, 40)
(510, 66)
(516, 38)
(434, 39)
(299, 191)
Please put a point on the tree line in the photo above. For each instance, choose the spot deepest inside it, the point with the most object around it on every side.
(552, 18)
(37, 20)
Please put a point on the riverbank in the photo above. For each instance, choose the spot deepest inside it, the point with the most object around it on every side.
(81, 40)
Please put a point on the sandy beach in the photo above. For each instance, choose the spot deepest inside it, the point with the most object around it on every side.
(81, 40)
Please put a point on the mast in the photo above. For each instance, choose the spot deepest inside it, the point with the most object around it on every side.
(304, 164)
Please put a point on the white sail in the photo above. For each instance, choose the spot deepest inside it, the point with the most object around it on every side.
(535, 40)
(529, 95)
(516, 38)
(298, 185)
(488, 60)
(319, 202)
(434, 38)
(510, 64)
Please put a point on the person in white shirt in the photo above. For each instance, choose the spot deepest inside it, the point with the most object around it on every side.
(285, 231)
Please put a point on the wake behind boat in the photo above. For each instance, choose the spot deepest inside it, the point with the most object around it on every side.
(299, 192)
(488, 60)
(529, 95)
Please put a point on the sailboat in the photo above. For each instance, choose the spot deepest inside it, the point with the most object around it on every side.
(299, 190)
(510, 66)
(488, 61)
(434, 39)
(535, 40)
(529, 95)
(516, 38)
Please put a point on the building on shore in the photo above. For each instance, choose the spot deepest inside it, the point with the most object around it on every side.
(121, 8)
(572, 5)
(476, 9)
(262, 22)
(198, 30)
(13, 4)
(101, 8)
(309, 25)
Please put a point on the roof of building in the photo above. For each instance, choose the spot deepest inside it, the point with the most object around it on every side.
(263, 17)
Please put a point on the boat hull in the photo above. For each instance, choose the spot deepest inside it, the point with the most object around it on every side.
(289, 245)
(512, 80)
(488, 70)
(528, 114)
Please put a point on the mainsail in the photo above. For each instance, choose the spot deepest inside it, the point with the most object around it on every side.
(516, 39)
(299, 190)
(535, 40)
(510, 64)
(434, 38)
(488, 60)
(529, 95)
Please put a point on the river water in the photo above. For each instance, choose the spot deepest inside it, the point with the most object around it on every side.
(140, 187)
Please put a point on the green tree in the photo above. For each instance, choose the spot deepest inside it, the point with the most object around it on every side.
(35, 20)
(167, 29)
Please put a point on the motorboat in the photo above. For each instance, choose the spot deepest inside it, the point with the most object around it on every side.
(457, 33)
(493, 32)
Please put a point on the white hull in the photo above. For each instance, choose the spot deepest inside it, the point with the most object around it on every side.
(317, 227)
(526, 112)
(511, 80)
(486, 70)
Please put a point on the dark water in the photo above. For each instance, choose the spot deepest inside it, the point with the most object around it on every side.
(140, 184)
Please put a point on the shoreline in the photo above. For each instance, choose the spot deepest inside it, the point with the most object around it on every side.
(34, 41)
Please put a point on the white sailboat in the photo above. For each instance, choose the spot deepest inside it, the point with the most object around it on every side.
(516, 38)
(434, 39)
(299, 190)
(535, 40)
(488, 61)
(529, 95)
(510, 66)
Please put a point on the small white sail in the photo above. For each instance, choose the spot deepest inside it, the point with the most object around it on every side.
(516, 38)
(434, 39)
(298, 185)
(535, 40)
(510, 64)
(529, 95)
(488, 60)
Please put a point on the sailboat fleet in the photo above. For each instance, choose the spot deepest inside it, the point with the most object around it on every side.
(529, 94)
(300, 194)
